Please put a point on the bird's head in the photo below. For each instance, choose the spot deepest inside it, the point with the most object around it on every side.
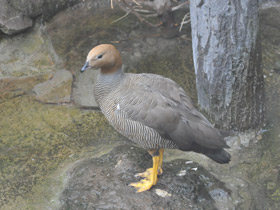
(105, 57)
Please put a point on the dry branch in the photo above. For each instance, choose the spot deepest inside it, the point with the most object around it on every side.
(136, 7)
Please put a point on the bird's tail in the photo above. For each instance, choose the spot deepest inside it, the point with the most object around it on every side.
(218, 155)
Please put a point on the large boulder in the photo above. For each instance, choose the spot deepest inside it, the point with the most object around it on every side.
(11, 20)
(30, 8)
(27, 54)
(103, 183)
(57, 89)
(18, 15)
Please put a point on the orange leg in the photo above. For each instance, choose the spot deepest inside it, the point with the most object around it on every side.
(160, 171)
(147, 173)
(150, 175)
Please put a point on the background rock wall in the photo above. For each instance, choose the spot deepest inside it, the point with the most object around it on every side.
(18, 15)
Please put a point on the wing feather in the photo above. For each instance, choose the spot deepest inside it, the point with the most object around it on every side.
(161, 104)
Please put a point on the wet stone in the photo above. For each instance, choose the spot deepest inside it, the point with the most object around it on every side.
(103, 183)
(55, 90)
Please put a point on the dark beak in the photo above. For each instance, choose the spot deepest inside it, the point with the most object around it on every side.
(85, 67)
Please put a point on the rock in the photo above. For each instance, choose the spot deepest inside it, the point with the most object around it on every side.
(268, 14)
(102, 183)
(55, 90)
(151, 40)
(11, 20)
(137, 54)
(30, 8)
(36, 139)
(52, 7)
(83, 94)
(27, 55)
(11, 87)
(18, 15)
(277, 67)
(264, 4)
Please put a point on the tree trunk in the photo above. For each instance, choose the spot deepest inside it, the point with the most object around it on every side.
(227, 60)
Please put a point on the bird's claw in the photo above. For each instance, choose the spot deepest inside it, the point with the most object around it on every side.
(145, 174)
(142, 185)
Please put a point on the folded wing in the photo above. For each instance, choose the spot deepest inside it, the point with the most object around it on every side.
(161, 104)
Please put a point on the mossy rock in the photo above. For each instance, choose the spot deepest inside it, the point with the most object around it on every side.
(37, 138)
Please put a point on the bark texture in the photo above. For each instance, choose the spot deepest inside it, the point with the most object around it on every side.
(227, 59)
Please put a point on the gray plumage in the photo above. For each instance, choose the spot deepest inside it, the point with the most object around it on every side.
(151, 110)
(155, 112)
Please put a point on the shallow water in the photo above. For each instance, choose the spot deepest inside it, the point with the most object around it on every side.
(39, 142)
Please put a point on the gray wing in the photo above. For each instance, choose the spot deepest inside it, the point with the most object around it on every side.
(161, 104)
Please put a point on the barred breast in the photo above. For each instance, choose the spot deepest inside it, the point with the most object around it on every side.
(120, 104)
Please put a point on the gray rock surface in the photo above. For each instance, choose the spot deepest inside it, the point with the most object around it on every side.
(18, 15)
(83, 94)
(102, 183)
(264, 4)
(27, 55)
(30, 8)
(57, 89)
(11, 20)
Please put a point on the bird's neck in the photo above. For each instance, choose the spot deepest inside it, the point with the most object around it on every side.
(106, 83)
(115, 66)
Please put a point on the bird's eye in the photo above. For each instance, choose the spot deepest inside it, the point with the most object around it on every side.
(99, 57)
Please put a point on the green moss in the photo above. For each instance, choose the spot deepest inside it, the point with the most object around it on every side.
(35, 139)
(276, 195)
(27, 54)
(32, 43)
(43, 61)
(11, 87)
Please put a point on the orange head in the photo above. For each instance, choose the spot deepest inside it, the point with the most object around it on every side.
(105, 57)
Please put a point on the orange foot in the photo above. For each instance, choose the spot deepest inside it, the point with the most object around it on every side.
(150, 177)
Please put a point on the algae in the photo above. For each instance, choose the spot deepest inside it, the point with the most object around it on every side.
(36, 138)
(27, 54)
(14, 87)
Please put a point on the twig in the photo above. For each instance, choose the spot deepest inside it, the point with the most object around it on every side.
(146, 11)
(150, 15)
(143, 10)
(179, 6)
(126, 14)
(184, 21)
(136, 14)
(136, 8)
(137, 3)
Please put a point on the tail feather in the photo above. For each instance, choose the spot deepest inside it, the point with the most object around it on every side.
(218, 155)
